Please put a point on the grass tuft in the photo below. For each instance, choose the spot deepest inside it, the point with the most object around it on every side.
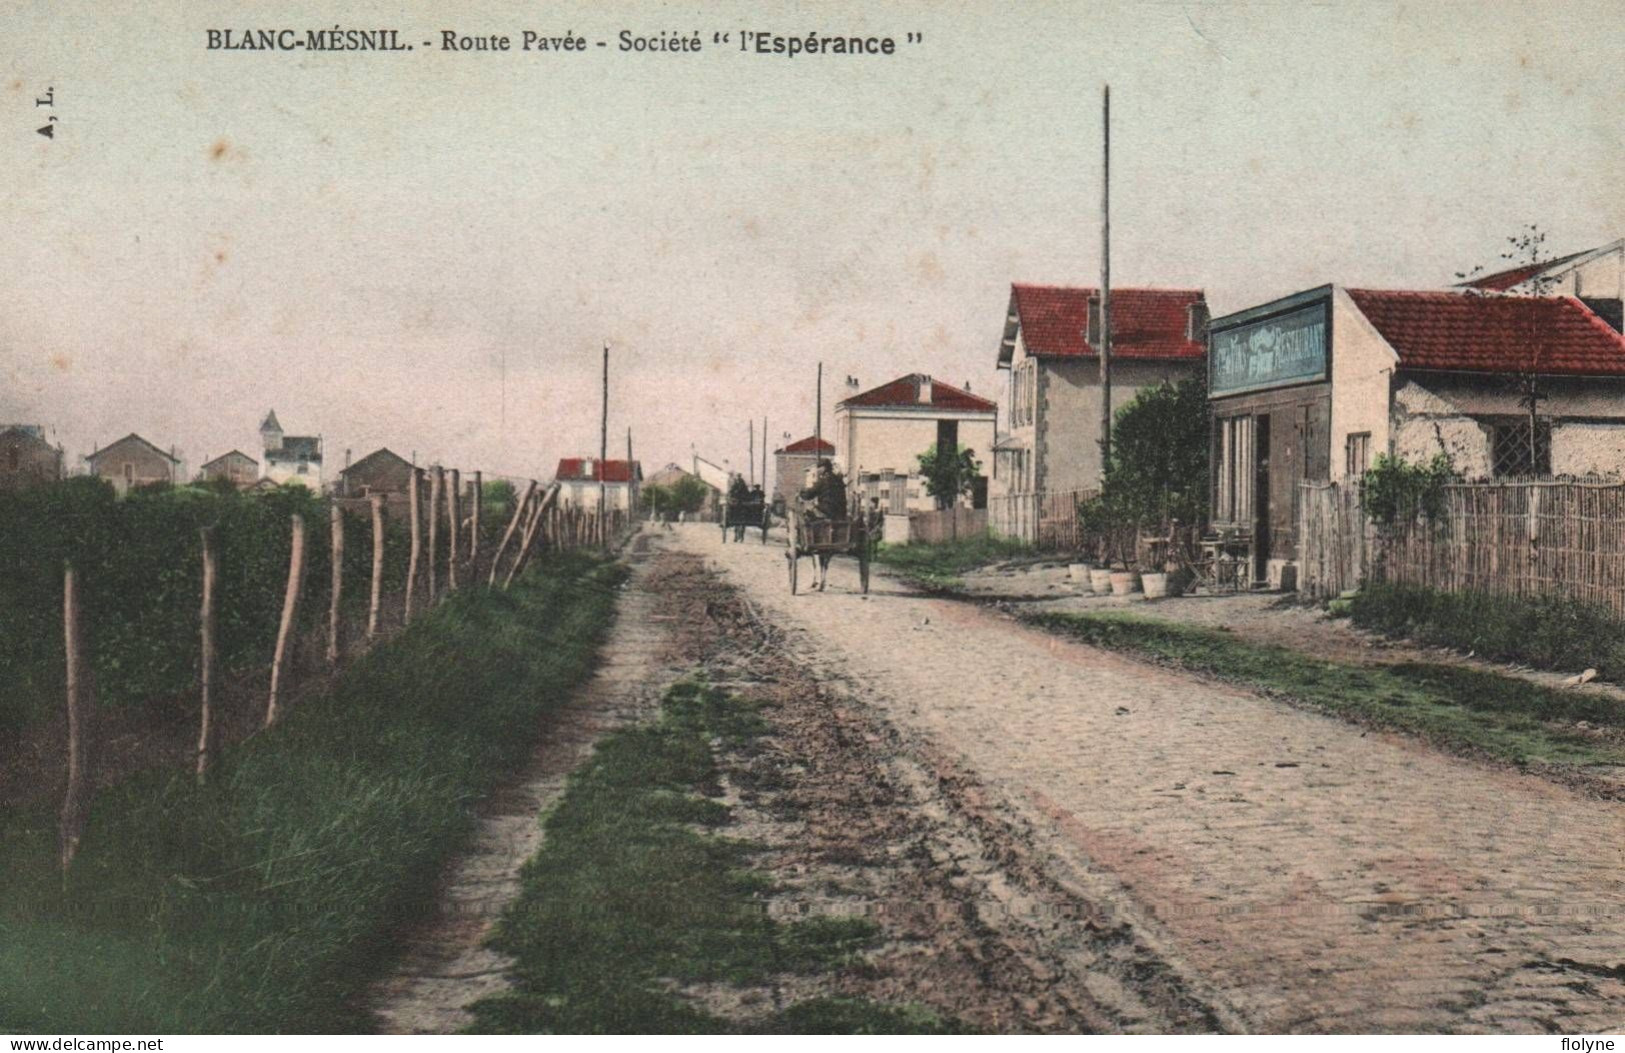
(939, 566)
(1503, 716)
(636, 891)
(1545, 631)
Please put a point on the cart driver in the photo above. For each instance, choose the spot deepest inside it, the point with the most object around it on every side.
(826, 497)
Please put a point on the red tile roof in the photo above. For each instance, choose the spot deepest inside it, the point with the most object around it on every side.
(808, 445)
(574, 470)
(1493, 334)
(1146, 323)
(905, 392)
(1501, 281)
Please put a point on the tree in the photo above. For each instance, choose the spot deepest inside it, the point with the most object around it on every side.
(949, 474)
(686, 494)
(1526, 249)
(1157, 470)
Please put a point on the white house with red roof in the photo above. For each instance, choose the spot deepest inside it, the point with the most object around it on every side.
(579, 480)
(880, 434)
(1051, 349)
(1316, 385)
(793, 461)
(1595, 277)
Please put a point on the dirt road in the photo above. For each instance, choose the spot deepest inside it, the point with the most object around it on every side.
(1290, 871)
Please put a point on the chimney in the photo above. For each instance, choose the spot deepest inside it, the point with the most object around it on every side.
(1196, 319)
(924, 394)
(346, 458)
(586, 467)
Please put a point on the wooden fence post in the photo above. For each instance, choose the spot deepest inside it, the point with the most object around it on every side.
(416, 528)
(74, 802)
(532, 528)
(376, 599)
(290, 615)
(513, 524)
(205, 735)
(335, 519)
(478, 494)
(436, 480)
(454, 510)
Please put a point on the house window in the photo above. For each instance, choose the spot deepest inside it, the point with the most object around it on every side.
(1026, 395)
(1515, 455)
(1234, 498)
(129, 473)
(1357, 454)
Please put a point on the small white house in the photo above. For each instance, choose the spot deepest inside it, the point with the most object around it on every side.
(581, 478)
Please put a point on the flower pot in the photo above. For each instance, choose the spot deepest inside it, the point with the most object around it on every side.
(1078, 572)
(1100, 580)
(1123, 582)
(1155, 585)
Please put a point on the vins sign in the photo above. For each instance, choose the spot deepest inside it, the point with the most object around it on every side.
(1286, 349)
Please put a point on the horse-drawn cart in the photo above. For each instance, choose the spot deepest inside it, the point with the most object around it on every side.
(738, 515)
(824, 539)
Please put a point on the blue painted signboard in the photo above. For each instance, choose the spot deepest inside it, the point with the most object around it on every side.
(1274, 352)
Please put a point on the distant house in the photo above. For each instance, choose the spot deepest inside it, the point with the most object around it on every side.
(1595, 277)
(880, 434)
(1051, 347)
(236, 468)
(26, 458)
(383, 471)
(290, 458)
(718, 479)
(131, 462)
(792, 462)
(579, 480)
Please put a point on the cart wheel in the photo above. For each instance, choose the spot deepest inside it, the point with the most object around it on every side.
(790, 558)
(724, 530)
(863, 569)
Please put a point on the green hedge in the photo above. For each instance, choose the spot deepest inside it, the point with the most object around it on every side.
(266, 900)
(139, 561)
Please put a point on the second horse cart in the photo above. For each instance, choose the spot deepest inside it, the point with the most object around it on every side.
(738, 515)
(823, 539)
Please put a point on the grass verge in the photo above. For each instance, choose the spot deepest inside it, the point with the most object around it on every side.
(265, 900)
(1546, 631)
(636, 890)
(1462, 708)
(939, 566)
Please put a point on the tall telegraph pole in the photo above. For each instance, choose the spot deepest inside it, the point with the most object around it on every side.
(1106, 282)
(603, 441)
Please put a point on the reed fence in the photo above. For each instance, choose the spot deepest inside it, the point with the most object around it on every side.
(1525, 538)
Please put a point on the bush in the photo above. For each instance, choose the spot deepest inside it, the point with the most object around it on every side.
(1395, 493)
(1550, 632)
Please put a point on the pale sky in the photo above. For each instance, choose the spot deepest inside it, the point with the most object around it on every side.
(362, 240)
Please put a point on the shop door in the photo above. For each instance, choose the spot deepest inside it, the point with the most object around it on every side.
(1262, 501)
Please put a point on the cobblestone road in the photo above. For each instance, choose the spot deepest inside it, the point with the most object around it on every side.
(1318, 877)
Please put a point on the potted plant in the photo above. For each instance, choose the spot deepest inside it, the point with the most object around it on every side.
(1125, 581)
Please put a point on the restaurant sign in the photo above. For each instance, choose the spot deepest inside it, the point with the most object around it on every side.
(1275, 352)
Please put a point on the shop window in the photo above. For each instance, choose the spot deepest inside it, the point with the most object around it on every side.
(1357, 454)
(1515, 455)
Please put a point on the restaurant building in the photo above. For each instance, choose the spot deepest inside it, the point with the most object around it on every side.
(1314, 386)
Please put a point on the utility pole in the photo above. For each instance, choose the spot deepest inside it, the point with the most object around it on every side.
(631, 506)
(603, 441)
(818, 421)
(1105, 282)
(764, 454)
(750, 461)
